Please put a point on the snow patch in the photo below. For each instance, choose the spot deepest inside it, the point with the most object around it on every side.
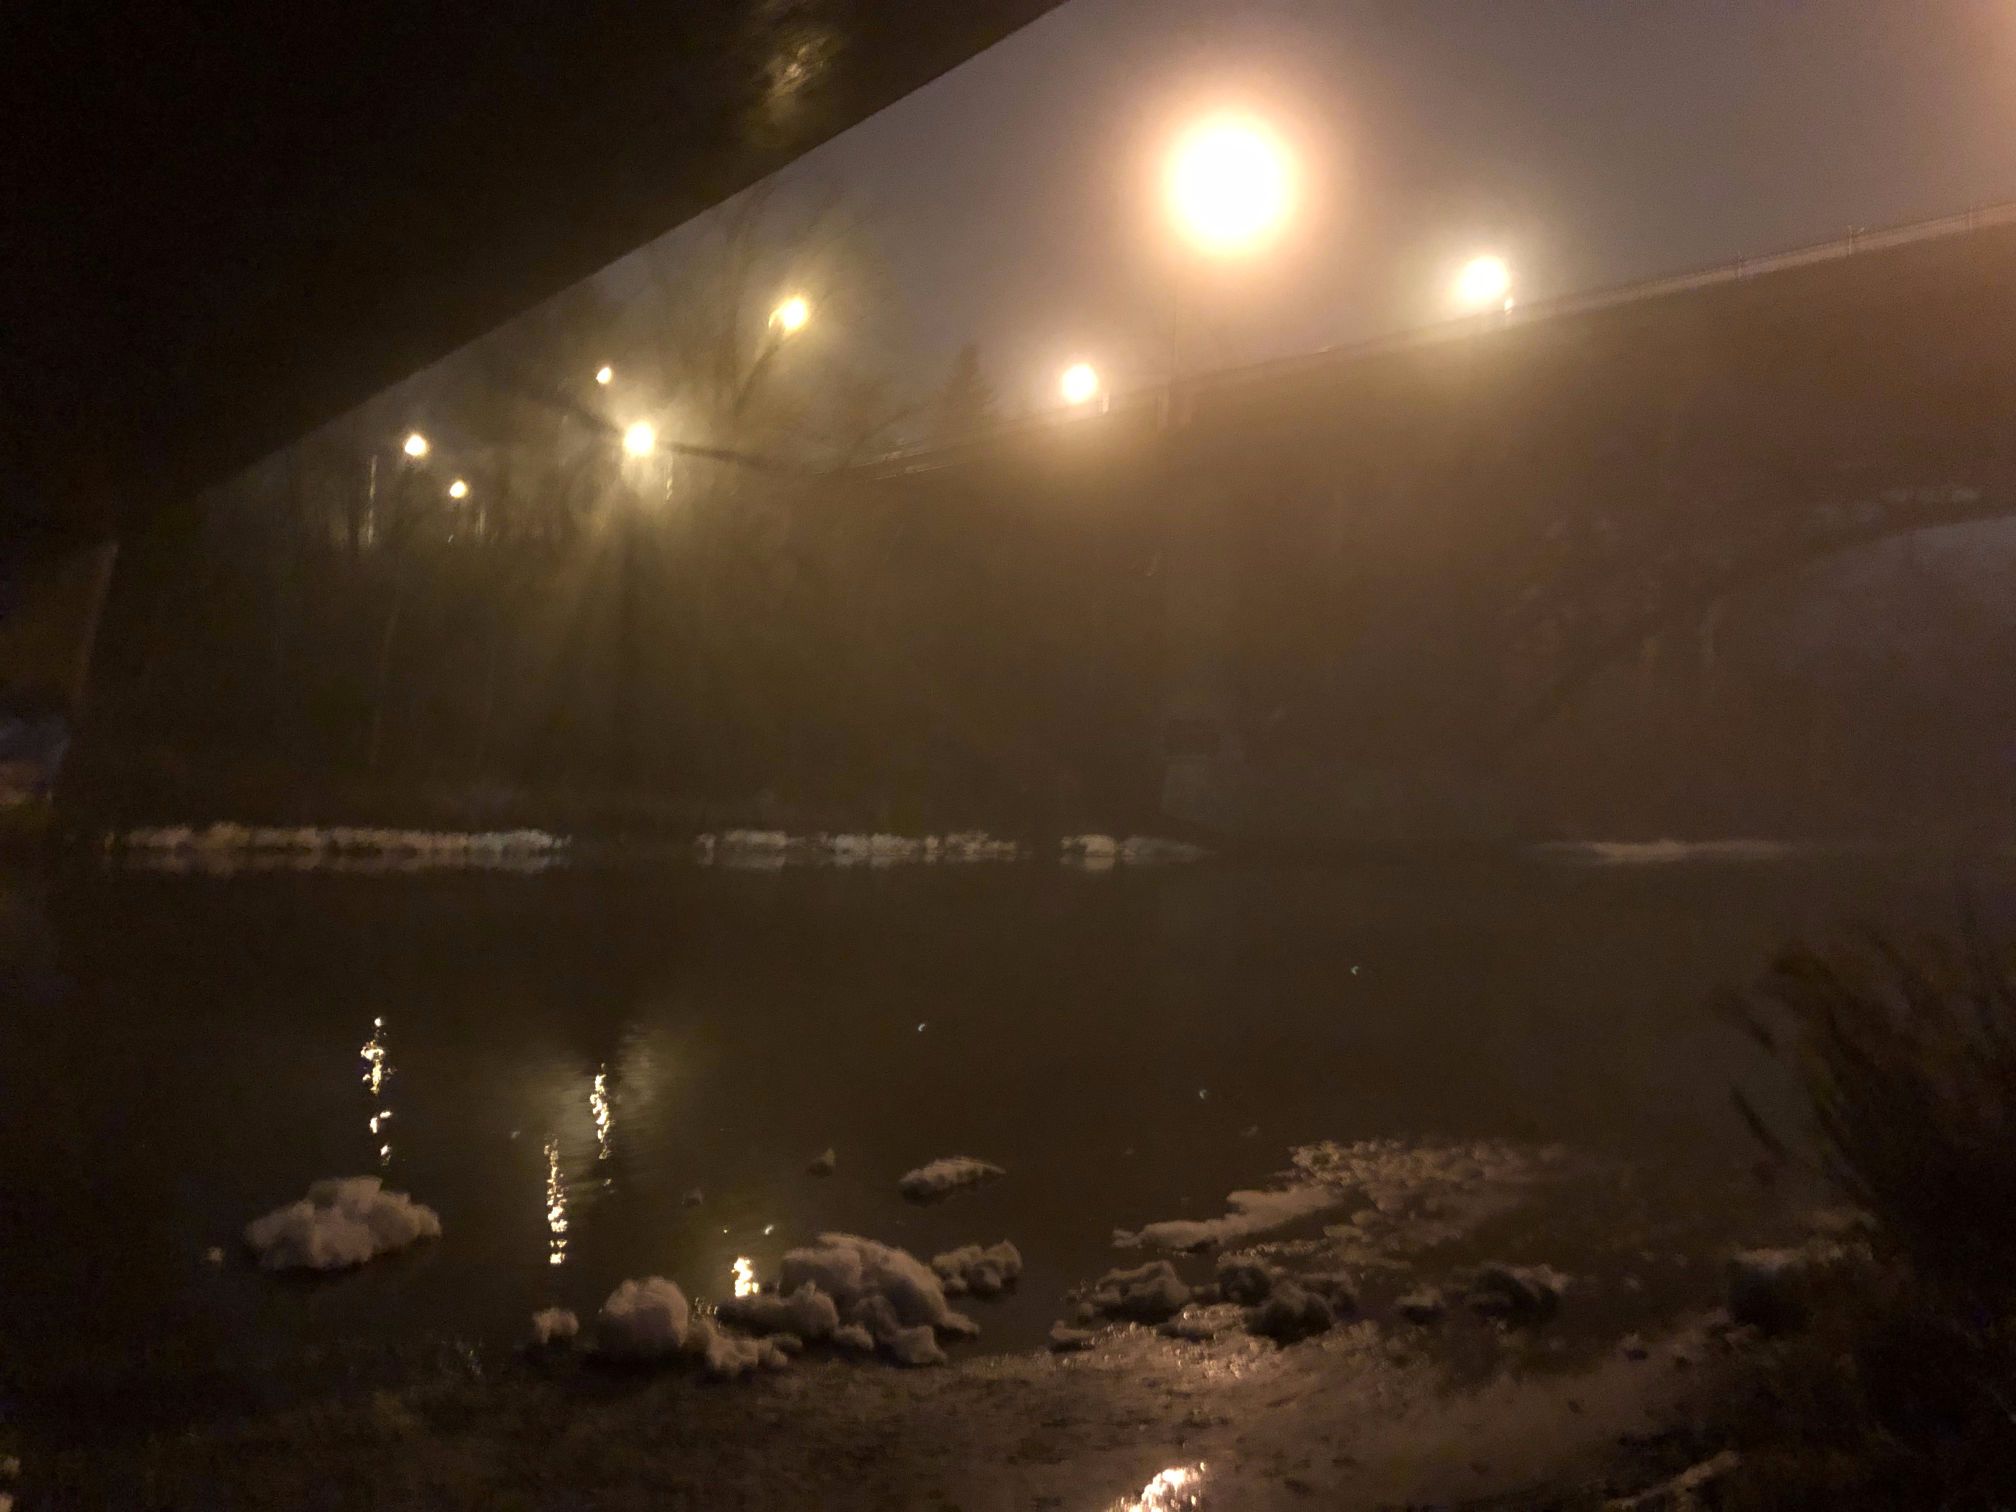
(768, 849)
(343, 1221)
(644, 1319)
(939, 1179)
(877, 1286)
(554, 1325)
(982, 1272)
(807, 1312)
(1146, 1294)
(1101, 852)
(1252, 1213)
(724, 1355)
(1517, 1293)
(1290, 1312)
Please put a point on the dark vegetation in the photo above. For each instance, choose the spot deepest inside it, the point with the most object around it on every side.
(1901, 1391)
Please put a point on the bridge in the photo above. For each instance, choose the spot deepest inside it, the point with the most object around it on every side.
(1480, 581)
(1377, 581)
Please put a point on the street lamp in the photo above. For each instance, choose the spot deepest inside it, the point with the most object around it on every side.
(604, 374)
(415, 446)
(641, 439)
(1080, 383)
(1230, 184)
(458, 489)
(790, 316)
(1485, 283)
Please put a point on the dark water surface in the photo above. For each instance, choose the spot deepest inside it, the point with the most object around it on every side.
(184, 1053)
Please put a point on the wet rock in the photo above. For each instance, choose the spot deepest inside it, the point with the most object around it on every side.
(1146, 1294)
(1773, 1290)
(1065, 1339)
(941, 1178)
(1426, 1305)
(981, 1272)
(1245, 1279)
(554, 1325)
(1290, 1313)
(1517, 1293)
(825, 1163)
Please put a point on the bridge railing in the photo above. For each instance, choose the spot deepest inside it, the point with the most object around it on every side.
(1151, 400)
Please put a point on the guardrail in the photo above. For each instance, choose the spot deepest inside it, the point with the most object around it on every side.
(1151, 399)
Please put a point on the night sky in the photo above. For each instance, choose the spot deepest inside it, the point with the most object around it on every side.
(1589, 142)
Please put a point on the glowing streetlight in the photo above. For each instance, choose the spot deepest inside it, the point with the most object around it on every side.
(641, 439)
(1485, 283)
(1080, 383)
(458, 489)
(604, 374)
(415, 446)
(1231, 185)
(790, 317)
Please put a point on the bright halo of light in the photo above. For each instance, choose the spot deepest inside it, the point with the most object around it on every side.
(1231, 185)
(604, 373)
(790, 316)
(415, 445)
(458, 489)
(1080, 383)
(1484, 283)
(641, 439)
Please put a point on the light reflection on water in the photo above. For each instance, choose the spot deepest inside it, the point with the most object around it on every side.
(378, 1071)
(598, 1106)
(746, 1284)
(556, 1206)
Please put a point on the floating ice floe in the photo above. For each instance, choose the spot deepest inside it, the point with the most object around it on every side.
(554, 1325)
(1666, 852)
(768, 849)
(981, 1272)
(343, 1221)
(1099, 852)
(227, 846)
(941, 1177)
(1252, 1214)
